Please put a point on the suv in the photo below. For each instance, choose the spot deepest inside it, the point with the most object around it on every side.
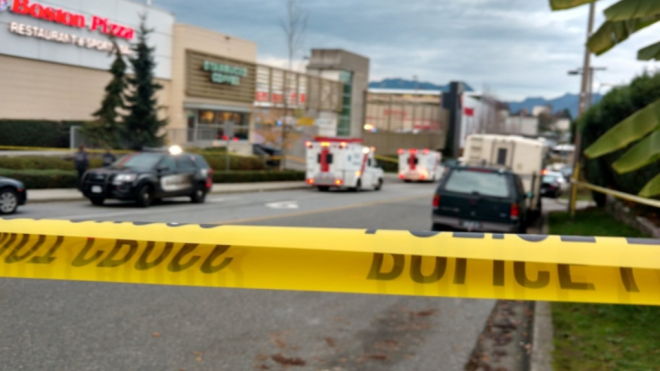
(147, 176)
(480, 199)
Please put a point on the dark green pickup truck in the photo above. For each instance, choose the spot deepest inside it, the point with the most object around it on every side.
(480, 199)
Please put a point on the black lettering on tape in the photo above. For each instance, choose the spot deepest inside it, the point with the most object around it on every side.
(461, 271)
(416, 270)
(578, 239)
(48, 258)
(422, 234)
(176, 265)
(498, 273)
(628, 279)
(10, 242)
(143, 265)
(498, 236)
(532, 237)
(377, 266)
(208, 266)
(566, 281)
(21, 244)
(111, 262)
(81, 260)
(3, 237)
(371, 231)
(521, 277)
(14, 257)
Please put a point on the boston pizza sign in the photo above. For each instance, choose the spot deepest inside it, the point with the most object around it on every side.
(71, 19)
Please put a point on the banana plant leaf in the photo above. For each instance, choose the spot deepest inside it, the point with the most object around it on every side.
(632, 9)
(649, 53)
(568, 4)
(627, 131)
(612, 33)
(643, 153)
(652, 188)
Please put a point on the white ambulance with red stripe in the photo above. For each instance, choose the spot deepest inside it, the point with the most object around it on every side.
(420, 165)
(342, 163)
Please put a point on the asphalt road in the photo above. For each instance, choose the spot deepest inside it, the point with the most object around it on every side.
(49, 325)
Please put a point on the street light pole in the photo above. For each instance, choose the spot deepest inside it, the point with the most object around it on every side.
(587, 72)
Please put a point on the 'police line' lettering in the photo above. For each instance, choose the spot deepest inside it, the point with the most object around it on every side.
(542, 279)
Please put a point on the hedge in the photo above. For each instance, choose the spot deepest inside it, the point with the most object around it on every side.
(36, 133)
(45, 179)
(616, 106)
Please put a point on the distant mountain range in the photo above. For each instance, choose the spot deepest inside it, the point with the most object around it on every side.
(566, 101)
(411, 85)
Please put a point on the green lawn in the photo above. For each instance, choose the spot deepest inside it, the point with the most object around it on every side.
(603, 337)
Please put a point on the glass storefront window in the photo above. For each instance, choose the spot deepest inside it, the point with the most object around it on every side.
(206, 117)
(211, 125)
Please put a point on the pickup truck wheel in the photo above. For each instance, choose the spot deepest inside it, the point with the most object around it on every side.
(144, 196)
(97, 201)
(379, 186)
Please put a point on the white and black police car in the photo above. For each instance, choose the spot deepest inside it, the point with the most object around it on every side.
(147, 176)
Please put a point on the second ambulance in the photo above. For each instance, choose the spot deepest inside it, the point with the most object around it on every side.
(342, 163)
(420, 165)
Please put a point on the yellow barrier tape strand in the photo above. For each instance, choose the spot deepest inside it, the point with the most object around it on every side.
(46, 149)
(387, 159)
(469, 265)
(621, 195)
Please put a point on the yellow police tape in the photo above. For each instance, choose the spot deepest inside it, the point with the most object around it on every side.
(387, 159)
(520, 267)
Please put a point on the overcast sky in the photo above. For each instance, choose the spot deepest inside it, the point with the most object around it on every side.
(513, 48)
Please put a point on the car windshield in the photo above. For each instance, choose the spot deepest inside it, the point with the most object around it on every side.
(550, 179)
(140, 161)
(475, 182)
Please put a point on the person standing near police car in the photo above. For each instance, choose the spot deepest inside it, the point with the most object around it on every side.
(81, 161)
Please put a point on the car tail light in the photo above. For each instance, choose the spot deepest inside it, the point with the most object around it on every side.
(310, 181)
(422, 177)
(401, 176)
(401, 151)
(209, 179)
(224, 137)
(309, 145)
(426, 151)
(436, 202)
(235, 139)
(515, 211)
(339, 182)
(343, 145)
(413, 151)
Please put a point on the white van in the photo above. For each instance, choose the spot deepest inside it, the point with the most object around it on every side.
(420, 165)
(525, 157)
(342, 163)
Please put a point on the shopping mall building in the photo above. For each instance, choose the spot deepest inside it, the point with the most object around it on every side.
(54, 61)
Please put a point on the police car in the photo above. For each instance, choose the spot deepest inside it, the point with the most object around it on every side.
(146, 176)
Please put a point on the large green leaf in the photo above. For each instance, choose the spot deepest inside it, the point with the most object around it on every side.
(643, 153)
(612, 33)
(652, 188)
(649, 53)
(568, 4)
(627, 131)
(632, 9)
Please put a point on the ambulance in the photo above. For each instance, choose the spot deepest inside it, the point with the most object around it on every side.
(420, 165)
(342, 163)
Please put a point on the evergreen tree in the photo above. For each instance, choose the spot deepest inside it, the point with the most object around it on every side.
(107, 128)
(141, 123)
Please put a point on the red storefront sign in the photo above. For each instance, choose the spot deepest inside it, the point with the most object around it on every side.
(60, 16)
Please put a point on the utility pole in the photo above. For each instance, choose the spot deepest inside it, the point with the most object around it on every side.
(584, 96)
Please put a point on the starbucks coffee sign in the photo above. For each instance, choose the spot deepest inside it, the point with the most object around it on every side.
(225, 74)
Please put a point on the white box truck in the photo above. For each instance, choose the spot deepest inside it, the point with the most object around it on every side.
(420, 165)
(525, 157)
(342, 163)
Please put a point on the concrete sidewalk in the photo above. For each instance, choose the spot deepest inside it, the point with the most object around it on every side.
(70, 194)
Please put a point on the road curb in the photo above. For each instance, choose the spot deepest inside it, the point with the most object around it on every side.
(75, 196)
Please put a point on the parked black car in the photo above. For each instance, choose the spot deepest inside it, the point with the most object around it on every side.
(552, 186)
(480, 199)
(12, 195)
(144, 177)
